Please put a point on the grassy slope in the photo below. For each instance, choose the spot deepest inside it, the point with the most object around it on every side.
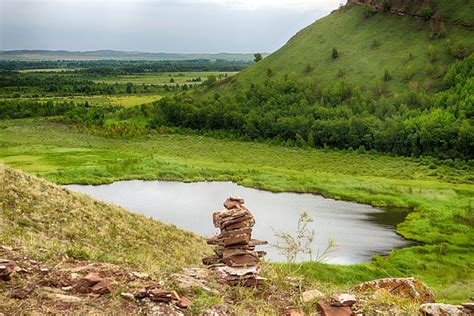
(441, 195)
(40, 215)
(359, 61)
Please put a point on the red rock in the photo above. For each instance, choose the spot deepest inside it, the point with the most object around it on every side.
(241, 261)
(91, 279)
(102, 287)
(93, 283)
(184, 302)
(160, 295)
(326, 309)
(241, 239)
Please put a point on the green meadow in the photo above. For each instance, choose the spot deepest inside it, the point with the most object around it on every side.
(440, 194)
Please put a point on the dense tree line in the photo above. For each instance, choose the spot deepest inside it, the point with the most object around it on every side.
(299, 113)
(117, 67)
(16, 84)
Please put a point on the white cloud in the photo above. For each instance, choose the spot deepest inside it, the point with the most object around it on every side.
(238, 4)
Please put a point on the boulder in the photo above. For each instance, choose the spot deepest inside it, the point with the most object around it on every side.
(410, 288)
(438, 309)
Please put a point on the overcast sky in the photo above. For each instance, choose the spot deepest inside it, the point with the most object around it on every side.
(173, 26)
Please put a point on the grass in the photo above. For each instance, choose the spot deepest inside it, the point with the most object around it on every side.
(163, 78)
(440, 194)
(39, 215)
(402, 43)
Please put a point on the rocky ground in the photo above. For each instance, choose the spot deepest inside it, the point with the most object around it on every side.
(72, 286)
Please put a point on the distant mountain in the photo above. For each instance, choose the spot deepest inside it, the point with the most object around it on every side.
(113, 54)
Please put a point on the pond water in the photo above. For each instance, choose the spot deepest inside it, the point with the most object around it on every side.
(359, 230)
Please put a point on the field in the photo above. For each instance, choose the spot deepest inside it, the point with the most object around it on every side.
(441, 194)
(126, 100)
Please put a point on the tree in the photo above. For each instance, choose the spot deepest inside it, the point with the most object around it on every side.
(387, 76)
(129, 88)
(258, 57)
(335, 53)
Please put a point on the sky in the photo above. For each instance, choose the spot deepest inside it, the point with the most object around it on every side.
(171, 26)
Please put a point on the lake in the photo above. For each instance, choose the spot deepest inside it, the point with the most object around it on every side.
(359, 230)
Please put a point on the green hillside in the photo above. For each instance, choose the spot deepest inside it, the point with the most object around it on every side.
(368, 46)
(38, 215)
(360, 78)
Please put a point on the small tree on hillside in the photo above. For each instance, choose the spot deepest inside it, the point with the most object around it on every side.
(257, 57)
(387, 76)
(334, 53)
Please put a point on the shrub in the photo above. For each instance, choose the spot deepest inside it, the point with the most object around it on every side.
(308, 69)
(426, 13)
(387, 76)
(269, 72)
(375, 43)
(334, 53)
(409, 72)
(458, 50)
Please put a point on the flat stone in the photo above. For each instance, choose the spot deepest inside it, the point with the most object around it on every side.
(326, 309)
(127, 296)
(310, 295)
(344, 299)
(160, 295)
(66, 298)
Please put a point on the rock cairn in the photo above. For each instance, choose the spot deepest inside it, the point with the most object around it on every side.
(235, 259)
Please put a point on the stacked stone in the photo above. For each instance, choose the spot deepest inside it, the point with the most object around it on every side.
(235, 258)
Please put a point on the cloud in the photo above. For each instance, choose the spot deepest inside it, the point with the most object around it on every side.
(156, 25)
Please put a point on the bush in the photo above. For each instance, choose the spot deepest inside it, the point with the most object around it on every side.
(387, 76)
(334, 53)
(375, 43)
(426, 13)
